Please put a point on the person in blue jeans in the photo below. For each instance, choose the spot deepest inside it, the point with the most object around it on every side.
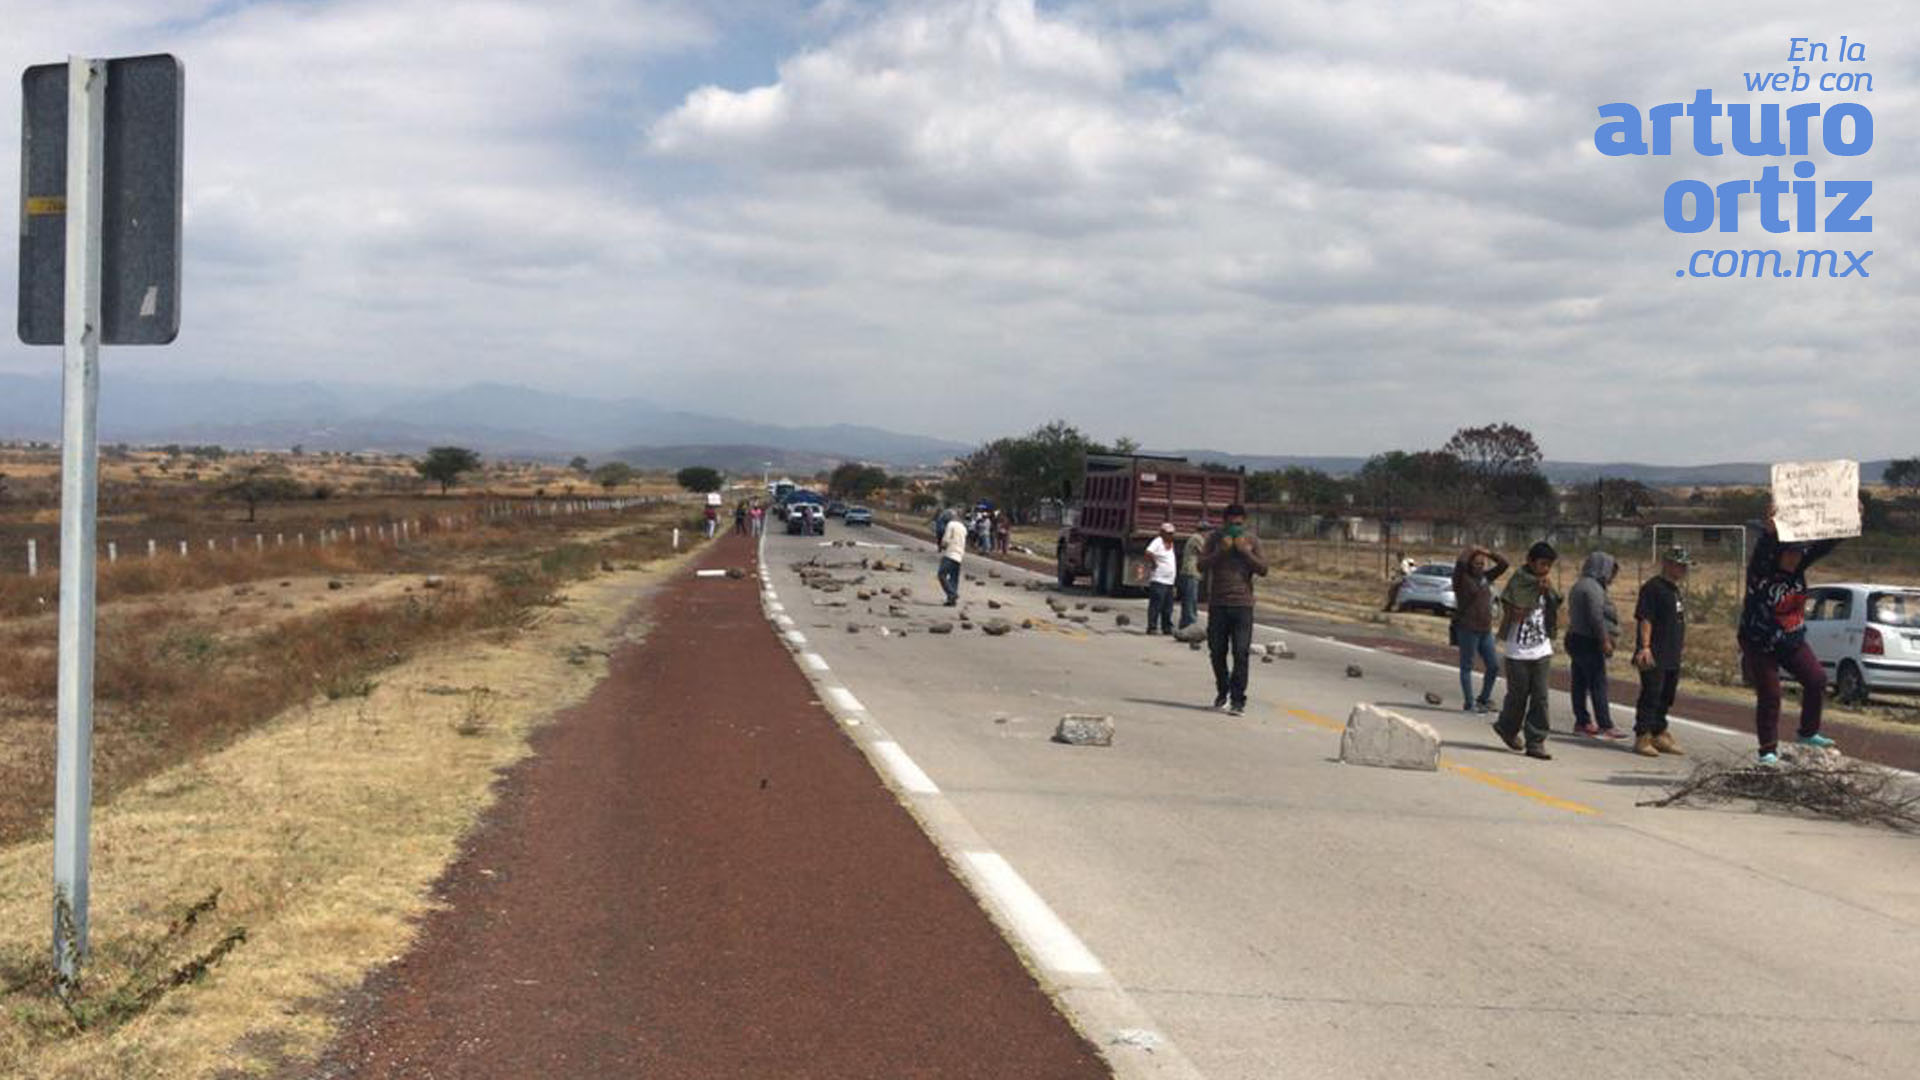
(1473, 576)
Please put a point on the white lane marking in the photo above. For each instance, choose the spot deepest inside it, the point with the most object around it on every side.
(844, 698)
(710, 573)
(776, 605)
(785, 621)
(796, 637)
(1053, 944)
(813, 661)
(905, 772)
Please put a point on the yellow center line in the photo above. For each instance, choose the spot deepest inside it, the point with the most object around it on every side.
(1055, 628)
(1522, 790)
(1317, 720)
(1499, 783)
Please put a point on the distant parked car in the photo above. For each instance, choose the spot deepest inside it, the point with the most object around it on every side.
(1867, 637)
(1429, 586)
(858, 515)
(836, 508)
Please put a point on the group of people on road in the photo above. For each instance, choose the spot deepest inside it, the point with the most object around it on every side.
(1512, 630)
(1529, 616)
(1772, 638)
(749, 518)
(990, 532)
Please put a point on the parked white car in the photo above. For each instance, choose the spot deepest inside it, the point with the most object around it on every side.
(1867, 637)
(1429, 586)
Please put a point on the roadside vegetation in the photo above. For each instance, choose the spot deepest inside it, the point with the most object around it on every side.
(265, 741)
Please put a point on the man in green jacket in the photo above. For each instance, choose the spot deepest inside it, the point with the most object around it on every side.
(1530, 613)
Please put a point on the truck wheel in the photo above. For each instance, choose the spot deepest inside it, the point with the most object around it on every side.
(1848, 686)
(1098, 558)
(1116, 571)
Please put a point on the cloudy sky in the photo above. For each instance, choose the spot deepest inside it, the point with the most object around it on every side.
(1254, 225)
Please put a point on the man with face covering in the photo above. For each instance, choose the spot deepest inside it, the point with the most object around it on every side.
(1231, 559)
(1593, 629)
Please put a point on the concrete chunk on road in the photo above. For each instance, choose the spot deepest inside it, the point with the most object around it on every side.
(1084, 729)
(1384, 738)
(1191, 634)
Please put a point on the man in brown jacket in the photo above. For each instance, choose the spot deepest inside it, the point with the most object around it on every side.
(1473, 576)
(1230, 560)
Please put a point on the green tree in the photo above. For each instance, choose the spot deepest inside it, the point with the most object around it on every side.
(1398, 480)
(444, 464)
(613, 474)
(698, 479)
(1502, 465)
(262, 483)
(579, 465)
(855, 481)
(1018, 472)
(1903, 473)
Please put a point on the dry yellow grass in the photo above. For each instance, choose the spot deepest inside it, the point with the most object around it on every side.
(323, 831)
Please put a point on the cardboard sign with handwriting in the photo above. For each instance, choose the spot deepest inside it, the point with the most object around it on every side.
(1816, 500)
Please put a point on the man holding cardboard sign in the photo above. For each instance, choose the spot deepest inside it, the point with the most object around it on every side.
(1815, 505)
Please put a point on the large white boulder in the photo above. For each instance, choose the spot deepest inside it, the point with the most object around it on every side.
(1377, 736)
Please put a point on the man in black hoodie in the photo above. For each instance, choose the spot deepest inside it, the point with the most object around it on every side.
(1773, 635)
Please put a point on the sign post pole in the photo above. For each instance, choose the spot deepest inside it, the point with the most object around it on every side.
(79, 466)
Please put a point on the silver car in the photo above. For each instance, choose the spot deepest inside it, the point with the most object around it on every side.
(1429, 586)
(1866, 636)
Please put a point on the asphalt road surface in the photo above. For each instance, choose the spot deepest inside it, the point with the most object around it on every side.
(1220, 897)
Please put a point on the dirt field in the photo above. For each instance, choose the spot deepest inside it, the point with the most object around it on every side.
(296, 855)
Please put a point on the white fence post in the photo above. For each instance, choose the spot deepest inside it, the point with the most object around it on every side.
(33, 558)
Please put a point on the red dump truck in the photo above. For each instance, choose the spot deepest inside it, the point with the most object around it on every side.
(1123, 500)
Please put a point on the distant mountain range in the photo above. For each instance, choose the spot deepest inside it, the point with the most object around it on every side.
(513, 421)
(503, 421)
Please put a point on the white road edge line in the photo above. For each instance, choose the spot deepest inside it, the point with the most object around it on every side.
(905, 772)
(843, 697)
(1053, 944)
(1133, 1045)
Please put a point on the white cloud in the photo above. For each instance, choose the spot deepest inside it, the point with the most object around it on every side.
(1293, 227)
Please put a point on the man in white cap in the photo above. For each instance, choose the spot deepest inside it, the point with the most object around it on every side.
(1165, 555)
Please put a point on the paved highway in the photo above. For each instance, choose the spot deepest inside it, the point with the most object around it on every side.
(1217, 896)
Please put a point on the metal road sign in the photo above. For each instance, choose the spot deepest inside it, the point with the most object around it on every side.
(140, 222)
(99, 264)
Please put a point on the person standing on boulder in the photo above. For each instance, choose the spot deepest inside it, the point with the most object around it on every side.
(1530, 611)
(1187, 582)
(1230, 560)
(1773, 635)
(1163, 553)
(953, 548)
(1660, 622)
(1473, 576)
(1593, 629)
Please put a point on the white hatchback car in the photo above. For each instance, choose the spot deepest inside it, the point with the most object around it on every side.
(1867, 637)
